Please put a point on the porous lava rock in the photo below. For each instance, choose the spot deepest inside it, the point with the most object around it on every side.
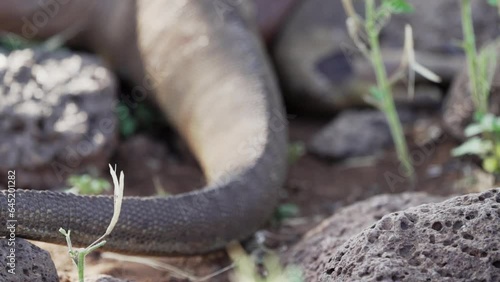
(455, 240)
(314, 251)
(30, 262)
(56, 116)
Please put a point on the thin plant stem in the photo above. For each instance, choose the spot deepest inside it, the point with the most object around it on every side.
(78, 257)
(81, 267)
(478, 96)
(81, 259)
(387, 105)
(496, 152)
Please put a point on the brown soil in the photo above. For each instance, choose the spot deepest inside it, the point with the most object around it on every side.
(317, 186)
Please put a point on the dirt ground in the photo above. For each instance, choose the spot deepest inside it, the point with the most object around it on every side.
(318, 187)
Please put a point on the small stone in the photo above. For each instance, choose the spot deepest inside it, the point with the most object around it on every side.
(426, 96)
(354, 134)
(434, 171)
(426, 131)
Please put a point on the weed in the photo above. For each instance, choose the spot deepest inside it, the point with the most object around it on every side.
(142, 118)
(87, 185)
(285, 211)
(272, 271)
(296, 150)
(78, 256)
(365, 34)
(484, 132)
(484, 142)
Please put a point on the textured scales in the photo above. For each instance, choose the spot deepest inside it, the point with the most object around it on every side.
(213, 82)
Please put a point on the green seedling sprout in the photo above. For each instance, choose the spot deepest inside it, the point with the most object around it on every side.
(246, 270)
(78, 256)
(365, 35)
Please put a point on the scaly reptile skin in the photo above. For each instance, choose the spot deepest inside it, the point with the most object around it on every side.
(212, 80)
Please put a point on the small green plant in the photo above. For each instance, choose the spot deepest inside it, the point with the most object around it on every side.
(246, 270)
(484, 132)
(87, 185)
(296, 150)
(285, 211)
(78, 256)
(13, 42)
(484, 142)
(142, 117)
(128, 124)
(495, 3)
(480, 66)
(365, 34)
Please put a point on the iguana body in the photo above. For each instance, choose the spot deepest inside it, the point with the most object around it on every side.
(212, 80)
